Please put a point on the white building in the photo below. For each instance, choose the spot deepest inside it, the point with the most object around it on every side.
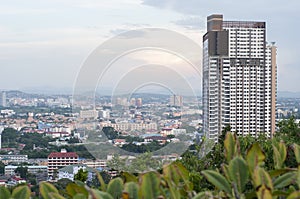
(10, 169)
(70, 171)
(14, 158)
(239, 78)
(88, 114)
(126, 126)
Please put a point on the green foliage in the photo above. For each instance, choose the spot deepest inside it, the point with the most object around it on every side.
(4, 193)
(21, 192)
(115, 188)
(235, 181)
(81, 175)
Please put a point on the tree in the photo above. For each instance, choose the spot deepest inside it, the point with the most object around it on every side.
(22, 171)
(81, 175)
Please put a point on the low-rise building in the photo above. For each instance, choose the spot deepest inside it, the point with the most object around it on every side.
(13, 158)
(10, 169)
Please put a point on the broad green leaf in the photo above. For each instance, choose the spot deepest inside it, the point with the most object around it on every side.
(149, 185)
(4, 193)
(264, 193)
(238, 173)
(79, 196)
(58, 196)
(21, 192)
(177, 174)
(132, 189)
(230, 145)
(255, 157)
(115, 188)
(285, 180)
(217, 180)
(225, 168)
(128, 177)
(297, 152)
(294, 195)
(278, 172)
(72, 189)
(46, 188)
(279, 154)
(261, 177)
(96, 194)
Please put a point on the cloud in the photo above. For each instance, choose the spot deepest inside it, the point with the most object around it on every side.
(191, 22)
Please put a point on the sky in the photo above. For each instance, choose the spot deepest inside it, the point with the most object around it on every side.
(44, 44)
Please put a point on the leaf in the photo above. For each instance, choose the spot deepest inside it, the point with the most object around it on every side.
(132, 189)
(217, 180)
(279, 154)
(178, 175)
(278, 172)
(230, 145)
(4, 193)
(261, 177)
(96, 194)
(203, 195)
(294, 195)
(58, 196)
(285, 180)
(115, 188)
(102, 183)
(79, 196)
(238, 172)
(225, 168)
(21, 192)
(297, 152)
(149, 185)
(46, 188)
(129, 177)
(72, 189)
(255, 157)
(264, 193)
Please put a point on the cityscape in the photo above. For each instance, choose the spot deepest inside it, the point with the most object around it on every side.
(228, 128)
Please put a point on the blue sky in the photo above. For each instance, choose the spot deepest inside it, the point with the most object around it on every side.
(44, 43)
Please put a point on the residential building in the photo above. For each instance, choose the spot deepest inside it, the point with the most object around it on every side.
(10, 169)
(70, 171)
(239, 78)
(13, 158)
(176, 100)
(58, 160)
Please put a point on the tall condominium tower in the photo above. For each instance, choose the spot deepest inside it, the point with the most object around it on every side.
(239, 78)
(3, 99)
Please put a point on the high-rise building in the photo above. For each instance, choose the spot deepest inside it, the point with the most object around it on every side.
(176, 100)
(3, 99)
(239, 78)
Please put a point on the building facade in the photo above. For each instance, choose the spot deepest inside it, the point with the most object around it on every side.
(57, 160)
(239, 78)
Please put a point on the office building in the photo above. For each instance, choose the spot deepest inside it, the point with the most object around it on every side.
(239, 78)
